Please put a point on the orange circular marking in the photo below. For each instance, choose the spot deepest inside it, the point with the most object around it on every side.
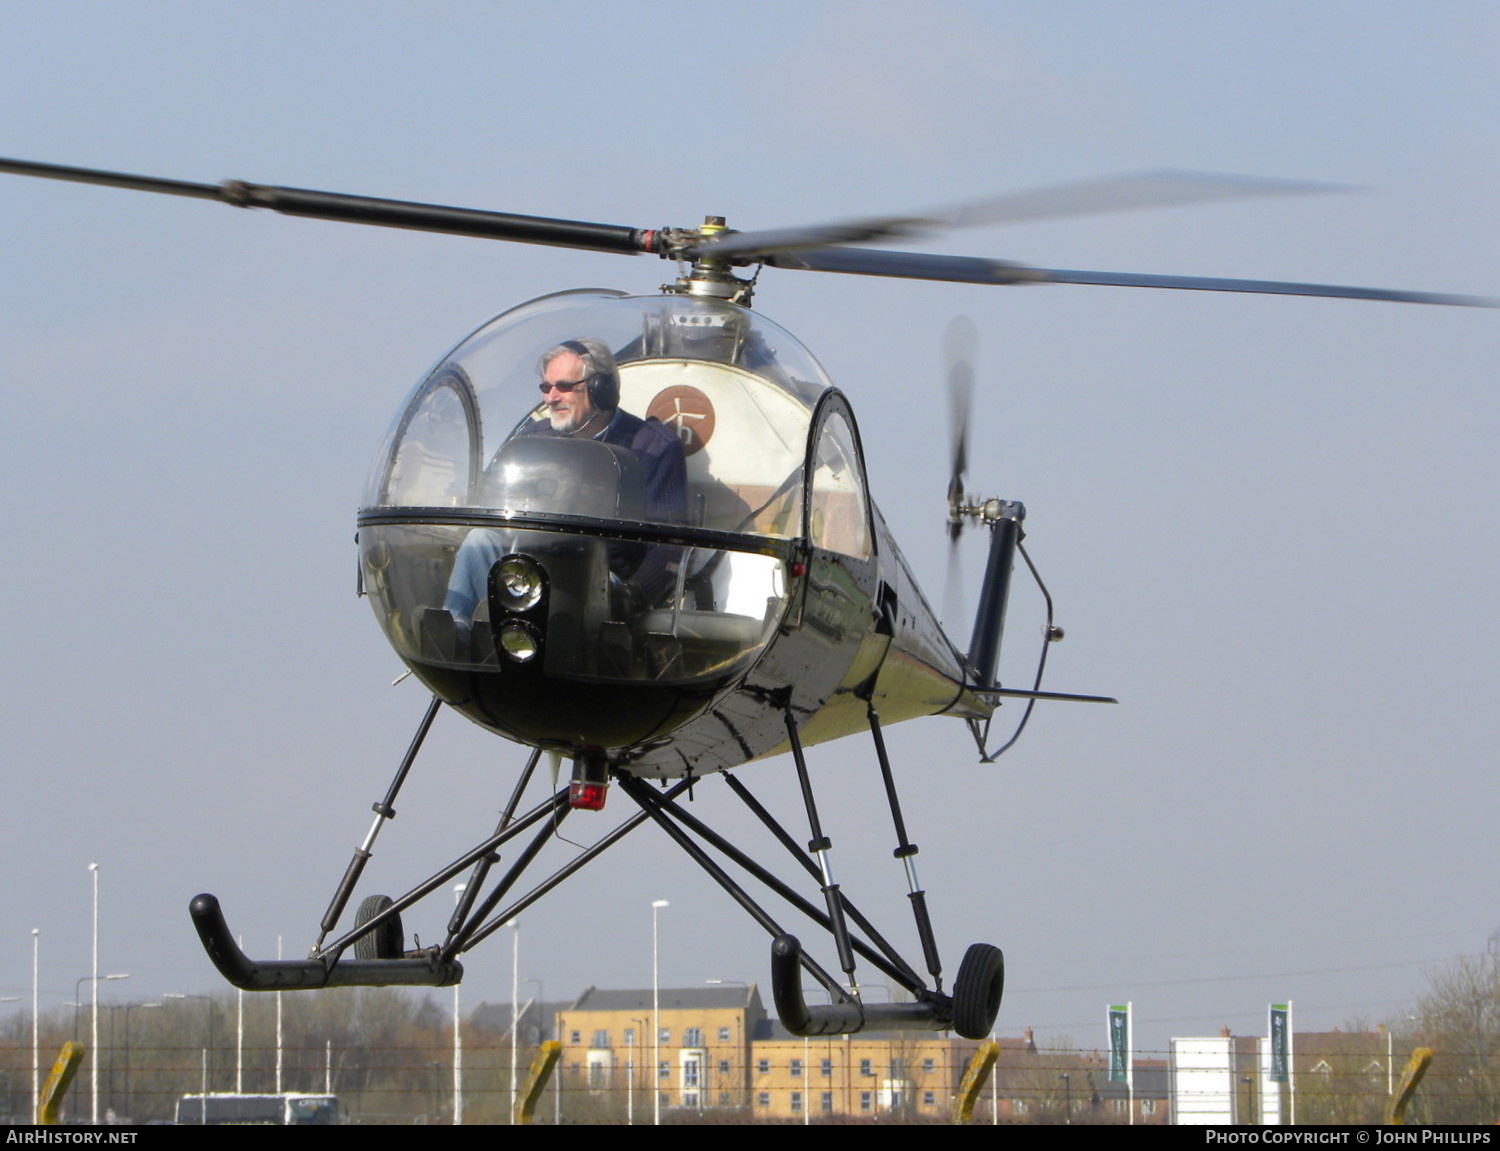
(688, 413)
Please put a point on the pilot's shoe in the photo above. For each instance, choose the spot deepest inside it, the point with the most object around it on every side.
(626, 600)
(438, 635)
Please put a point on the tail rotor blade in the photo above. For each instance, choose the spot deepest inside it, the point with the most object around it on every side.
(960, 344)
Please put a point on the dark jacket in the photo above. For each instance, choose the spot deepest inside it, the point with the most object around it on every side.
(665, 463)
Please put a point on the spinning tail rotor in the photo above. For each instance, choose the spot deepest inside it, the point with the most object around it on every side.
(1003, 518)
(960, 345)
(959, 342)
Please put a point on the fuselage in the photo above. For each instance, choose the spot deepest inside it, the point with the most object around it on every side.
(509, 569)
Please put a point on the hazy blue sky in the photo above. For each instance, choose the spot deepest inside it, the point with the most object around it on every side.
(1270, 524)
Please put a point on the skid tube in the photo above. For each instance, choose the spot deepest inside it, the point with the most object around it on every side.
(431, 966)
(327, 967)
(847, 1013)
(301, 974)
(932, 1013)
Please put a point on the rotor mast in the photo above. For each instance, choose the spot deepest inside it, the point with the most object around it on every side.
(706, 273)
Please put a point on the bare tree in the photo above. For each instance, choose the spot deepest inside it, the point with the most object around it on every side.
(1459, 1018)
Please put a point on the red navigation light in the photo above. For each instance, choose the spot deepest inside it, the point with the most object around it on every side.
(587, 796)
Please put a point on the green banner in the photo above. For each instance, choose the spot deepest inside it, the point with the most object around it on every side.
(1119, 1044)
(1280, 1040)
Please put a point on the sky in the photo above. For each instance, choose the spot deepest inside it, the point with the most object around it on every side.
(1268, 523)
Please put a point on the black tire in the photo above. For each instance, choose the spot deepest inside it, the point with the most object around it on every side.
(978, 990)
(387, 941)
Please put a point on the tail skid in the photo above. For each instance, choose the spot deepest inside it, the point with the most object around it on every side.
(1004, 519)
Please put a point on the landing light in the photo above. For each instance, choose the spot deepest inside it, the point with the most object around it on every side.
(519, 642)
(519, 582)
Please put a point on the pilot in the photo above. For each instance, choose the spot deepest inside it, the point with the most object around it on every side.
(580, 389)
(581, 397)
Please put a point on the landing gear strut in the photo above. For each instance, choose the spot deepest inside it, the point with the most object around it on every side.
(373, 952)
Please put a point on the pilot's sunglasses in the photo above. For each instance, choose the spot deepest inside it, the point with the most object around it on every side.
(563, 385)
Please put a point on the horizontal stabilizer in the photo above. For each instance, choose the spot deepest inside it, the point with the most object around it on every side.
(1018, 693)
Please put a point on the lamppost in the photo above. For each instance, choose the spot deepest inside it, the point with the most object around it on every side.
(630, 1078)
(77, 1004)
(515, 1017)
(127, 1008)
(741, 1039)
(239, 1037)
(211, 1011)
(541, 1035)
(656, 906)
(458, 1042)
(541, 1008)
(280, 1046)
(94, 1026)
(36, 1063)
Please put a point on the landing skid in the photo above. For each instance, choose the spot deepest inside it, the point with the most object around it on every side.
(307, 974)
(371, 954)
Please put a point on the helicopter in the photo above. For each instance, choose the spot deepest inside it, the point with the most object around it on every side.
(526, 580)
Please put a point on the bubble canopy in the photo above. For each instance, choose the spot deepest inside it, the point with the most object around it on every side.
(457, 417)
(502, 557)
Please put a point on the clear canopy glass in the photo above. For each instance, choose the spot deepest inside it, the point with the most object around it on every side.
(490, 544)
(736, 389)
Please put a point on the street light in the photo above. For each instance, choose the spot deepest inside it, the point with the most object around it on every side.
(633, 1071)
(115, 1009)
(656, 906)
(458, 1042)
(541, 1002)
(541, 1036)
(741, 1047)
(94, 1026)
(213, 1009)
(280, 1045)
(77, 1003)
(515, 1018)
(36, 1063)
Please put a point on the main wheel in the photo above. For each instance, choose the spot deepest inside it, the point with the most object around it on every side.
(387, 941)
(977, 991)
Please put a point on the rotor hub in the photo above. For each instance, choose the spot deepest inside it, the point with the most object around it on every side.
(705, 275)
(989, 512)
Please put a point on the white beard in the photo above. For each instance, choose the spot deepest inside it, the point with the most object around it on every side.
(565, 423)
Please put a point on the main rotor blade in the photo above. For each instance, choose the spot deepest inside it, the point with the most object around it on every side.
(365, 209)
(977, 270)
(1263, 287)
(1127, 192)
(1163, 189)
(906, 265)
(1114, 194)
(112, 179)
